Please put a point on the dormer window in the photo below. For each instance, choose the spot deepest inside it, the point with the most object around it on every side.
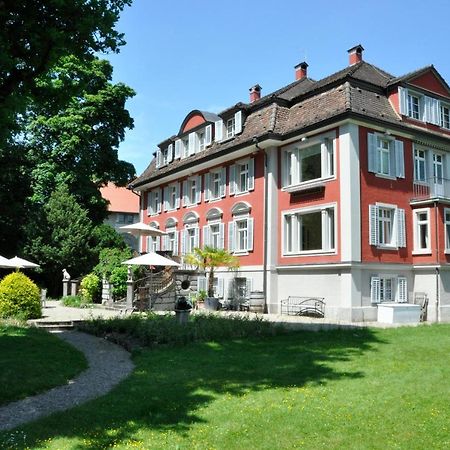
(233, 125)
(230, 127)
(445, 116)
(413, 106)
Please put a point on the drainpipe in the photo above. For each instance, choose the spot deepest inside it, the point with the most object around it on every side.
(437, 315)
(266, 201)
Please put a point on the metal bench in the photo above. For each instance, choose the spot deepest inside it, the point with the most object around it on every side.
(303, 306)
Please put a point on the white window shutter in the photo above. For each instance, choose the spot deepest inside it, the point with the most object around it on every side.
(220, 290)
(149, 202)
(198, 189)
(201, 283)
(207, 187)
(231, 286)
(250, 222)
(221, 235)
(223, 181)
(175, 244)
(238, 122)
(402, 290)
(392, 159)
(177, 152)
(251, 174)
(401, 227)
(158, 158)
(375, 289)
(185, 189)
(403, 100)
(158, 206)
(170, 153)
(206, 236)
(177, 196)
(164, 242)
(196, 237)
(185, 149)
(432, 110)
(399, 159)
(248, 287)
(324, 158)
(218, 130)
(192, 142)
(166, 198)
(158, 243)
(231, 236)
(285, 168)
(232, 180)
(373, 225)
(371, 152)
(148, 243)
(208, 132)
(183, 241)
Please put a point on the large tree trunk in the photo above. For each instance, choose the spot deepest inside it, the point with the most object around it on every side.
(211, 283)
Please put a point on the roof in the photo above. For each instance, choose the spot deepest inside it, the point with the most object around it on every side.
(120, 199)
(360, 89)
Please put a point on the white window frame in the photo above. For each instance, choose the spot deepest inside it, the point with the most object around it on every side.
(172, 197)
(246, 166)
(420, 161)
(291, 161)
(398, 226)
(445, 116)
(417, 231)
(154, 202)
(447, 229)
(170, 240)
(376, 150)
(210, 181)
(292, 219)
(229, 128)
(208, 235)
(192, 191)
(398, 288)
(411, 111)
(233, 234)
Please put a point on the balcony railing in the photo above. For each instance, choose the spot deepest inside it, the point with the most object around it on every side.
(431, 188)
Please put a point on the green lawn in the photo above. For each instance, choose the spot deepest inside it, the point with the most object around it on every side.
(33, 360)
(344, 389)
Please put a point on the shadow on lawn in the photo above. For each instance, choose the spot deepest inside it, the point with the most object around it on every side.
(170, 385)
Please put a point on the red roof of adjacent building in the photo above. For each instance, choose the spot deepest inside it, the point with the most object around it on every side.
(120, 199)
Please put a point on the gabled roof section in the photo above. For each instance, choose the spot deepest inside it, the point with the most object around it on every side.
(427, 78)
(120, 199)
(196, 118)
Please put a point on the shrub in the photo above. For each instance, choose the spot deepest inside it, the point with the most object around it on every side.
(90, 287)
(19, 297)
(118, 279)
(75, 301)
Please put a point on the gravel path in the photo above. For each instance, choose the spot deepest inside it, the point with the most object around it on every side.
(108, 365)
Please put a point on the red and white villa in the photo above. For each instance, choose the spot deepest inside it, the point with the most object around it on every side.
(337, 188)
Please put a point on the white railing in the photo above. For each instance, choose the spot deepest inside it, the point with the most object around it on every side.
(431, 188)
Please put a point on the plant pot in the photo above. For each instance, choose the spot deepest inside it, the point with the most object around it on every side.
(182, 316)
(199, 304)
(211, 303)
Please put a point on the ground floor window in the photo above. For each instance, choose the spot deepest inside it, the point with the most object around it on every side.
(309, 231)
(388, 289)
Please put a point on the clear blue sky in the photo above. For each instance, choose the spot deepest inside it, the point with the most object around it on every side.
(197, 54)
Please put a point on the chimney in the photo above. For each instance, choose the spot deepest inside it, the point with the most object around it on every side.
(301, 70)
(255, 93)
(355, 54)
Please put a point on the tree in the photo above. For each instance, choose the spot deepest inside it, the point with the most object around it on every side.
(74, 131)
(61, 238)
(209, 258)
(35, 34)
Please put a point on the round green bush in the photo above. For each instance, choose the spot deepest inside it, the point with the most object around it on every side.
(90, 287)
(19, 297)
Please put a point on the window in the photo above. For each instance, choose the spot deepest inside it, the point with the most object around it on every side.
(385, 155)
(239, 289)
(170, 240)
(190, 235)
(309, 231)
(215, 184)
(387, 226)
(202, 285)
(242, 177)
(153, 242)
(413, 106)
(445, 116)
(419, 165)
(172, 197)
(422, 230)
(230, 127)
(214, 234)
(240, 230)
(388, 288)
(164, 156)
(154, 202)
(308, 161)
(125, 218)
(192, 191)
(447, 229)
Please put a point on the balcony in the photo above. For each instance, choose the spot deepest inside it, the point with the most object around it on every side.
(434, 188)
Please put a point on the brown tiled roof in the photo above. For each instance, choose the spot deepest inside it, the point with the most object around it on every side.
(357, 89)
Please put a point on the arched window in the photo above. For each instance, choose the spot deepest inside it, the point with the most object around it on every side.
(240, 229)
(214, 230)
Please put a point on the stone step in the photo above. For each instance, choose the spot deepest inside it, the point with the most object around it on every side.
(54, 325)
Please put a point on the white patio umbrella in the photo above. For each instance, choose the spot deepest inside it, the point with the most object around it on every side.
(20, 263)
(142, 229)
(151, 259)
(4, 262)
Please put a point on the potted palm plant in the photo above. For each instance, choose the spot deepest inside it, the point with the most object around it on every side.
(208, 259)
